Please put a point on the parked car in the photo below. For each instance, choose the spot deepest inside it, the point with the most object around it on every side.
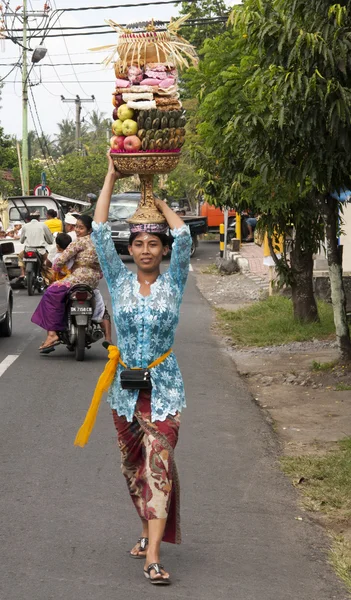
(123, 206)
(6, 297)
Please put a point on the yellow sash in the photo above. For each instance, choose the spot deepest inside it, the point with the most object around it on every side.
(103, 384)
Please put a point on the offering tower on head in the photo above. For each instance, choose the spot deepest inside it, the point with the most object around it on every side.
(148, 118)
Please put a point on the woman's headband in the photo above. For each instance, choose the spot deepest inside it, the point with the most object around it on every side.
(148, 228)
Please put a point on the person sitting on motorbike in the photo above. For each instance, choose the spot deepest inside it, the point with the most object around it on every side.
(34, 235)
(62, 242)
(53, 223)
(50, 313)
(70, 225)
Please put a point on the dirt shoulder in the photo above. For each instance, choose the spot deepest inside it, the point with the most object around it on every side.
(309, 409)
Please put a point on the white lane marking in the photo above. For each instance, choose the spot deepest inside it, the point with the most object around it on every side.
(191, 268)
(22, 312)
(16, 292)
(7, 362)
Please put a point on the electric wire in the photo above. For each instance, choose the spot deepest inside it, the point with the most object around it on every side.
(42, 133)
(110, 7)
(69, 56)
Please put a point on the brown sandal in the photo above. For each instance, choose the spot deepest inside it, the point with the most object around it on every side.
(143, 543)
(156, 580)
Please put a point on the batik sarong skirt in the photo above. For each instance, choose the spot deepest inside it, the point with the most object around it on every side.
(147, 453)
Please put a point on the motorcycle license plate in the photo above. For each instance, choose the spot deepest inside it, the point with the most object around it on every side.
(30, 259)
(85, 310)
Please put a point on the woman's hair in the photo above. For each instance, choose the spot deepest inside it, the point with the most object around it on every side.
(63, 240)
(161, 236)
(86, 220)
(51, 213)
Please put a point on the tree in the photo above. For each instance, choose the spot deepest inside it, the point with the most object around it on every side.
(98, 127)
(205, 9)
(302, 133)
(222, 161)
(77, 175)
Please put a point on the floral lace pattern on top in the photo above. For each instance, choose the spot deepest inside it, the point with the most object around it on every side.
(146, 325)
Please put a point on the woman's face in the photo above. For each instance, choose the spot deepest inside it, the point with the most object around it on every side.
(147, 251)
(81, 229)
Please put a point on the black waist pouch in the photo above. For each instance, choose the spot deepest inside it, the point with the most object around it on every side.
(136, 379)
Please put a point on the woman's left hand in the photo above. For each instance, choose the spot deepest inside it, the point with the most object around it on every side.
(161, 205)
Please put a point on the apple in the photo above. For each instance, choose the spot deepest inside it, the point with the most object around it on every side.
(130, 127)
(132, 143)
(117, 127)
(117, 142)
(124, 112)
(114, 114)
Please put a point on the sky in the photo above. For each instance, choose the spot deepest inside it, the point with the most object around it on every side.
(84, 80)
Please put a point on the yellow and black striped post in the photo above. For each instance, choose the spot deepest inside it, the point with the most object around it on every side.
(221, 240)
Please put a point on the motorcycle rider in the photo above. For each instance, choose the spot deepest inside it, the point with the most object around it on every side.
(34, 235)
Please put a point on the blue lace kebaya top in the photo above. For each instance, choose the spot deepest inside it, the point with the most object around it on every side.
(146, 325)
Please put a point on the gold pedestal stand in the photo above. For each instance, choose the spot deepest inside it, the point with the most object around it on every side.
(146, 166)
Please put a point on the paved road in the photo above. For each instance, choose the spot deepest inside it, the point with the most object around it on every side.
(66, 519)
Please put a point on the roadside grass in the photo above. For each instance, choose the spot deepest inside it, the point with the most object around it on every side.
(343, 387)
(327, 366)
(325, 484)
(270, 322)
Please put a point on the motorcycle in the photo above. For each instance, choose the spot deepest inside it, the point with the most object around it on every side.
(32, 266)
(81, 330)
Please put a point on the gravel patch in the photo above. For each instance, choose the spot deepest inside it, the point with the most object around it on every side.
(229, 291)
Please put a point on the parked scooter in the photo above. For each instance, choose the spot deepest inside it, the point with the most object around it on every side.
(32, 266)
(81, 330)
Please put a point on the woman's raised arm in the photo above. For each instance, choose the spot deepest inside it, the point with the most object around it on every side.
(103, 203)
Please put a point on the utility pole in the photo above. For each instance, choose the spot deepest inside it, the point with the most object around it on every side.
(25, 158)
(78, 102)
(37, 55)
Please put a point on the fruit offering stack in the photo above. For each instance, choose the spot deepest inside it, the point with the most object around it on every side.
(148, 115)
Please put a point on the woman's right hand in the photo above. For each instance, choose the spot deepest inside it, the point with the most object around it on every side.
(111, 171)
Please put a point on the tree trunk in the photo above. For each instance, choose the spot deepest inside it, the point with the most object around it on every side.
(338, 296)
(304, 302)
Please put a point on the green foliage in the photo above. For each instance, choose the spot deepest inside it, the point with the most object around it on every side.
(327, 366)
(271, 322)
(303, 75)
(204, 9)
(76, 175)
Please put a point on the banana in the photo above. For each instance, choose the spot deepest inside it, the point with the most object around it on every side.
(156, 123)
(140, 121)
(148, 123)
(141, 134)
(181, 122)
(145, 144)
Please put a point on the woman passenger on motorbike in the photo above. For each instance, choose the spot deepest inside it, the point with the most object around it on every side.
(50, 312)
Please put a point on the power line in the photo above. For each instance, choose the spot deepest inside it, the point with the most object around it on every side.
(83, 33)
(11, 71)
(42, 132)
(69, 57)
(108, 29)
(127, 5)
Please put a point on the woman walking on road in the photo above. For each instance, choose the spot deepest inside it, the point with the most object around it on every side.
(146, 313)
